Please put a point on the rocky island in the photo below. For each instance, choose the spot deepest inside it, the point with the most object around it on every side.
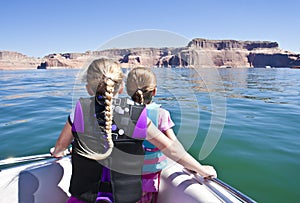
(198, 53)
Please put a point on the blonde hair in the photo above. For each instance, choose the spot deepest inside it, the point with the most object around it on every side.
(104, 77)
(140, 84)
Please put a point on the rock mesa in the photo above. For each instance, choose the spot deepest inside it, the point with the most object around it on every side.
(198, 53)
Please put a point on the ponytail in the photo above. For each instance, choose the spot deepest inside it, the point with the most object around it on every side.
(140, 84)
(142, 96)
(138, 97)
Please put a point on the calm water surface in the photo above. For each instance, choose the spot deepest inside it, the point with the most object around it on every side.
(246, 118)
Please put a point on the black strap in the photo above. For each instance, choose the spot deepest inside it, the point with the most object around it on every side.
(105, 187)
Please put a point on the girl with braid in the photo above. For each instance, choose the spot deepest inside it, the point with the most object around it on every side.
(91, 130)
(107, 135)
(141, 86)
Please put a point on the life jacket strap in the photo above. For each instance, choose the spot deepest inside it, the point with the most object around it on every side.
(105, 187)
(105, 184)
(151, 149)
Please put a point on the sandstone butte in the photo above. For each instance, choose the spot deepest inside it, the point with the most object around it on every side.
(198, 53)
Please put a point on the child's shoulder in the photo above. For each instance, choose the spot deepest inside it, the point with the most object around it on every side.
(163, 111)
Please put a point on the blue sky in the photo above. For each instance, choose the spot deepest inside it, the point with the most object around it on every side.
(40, 27)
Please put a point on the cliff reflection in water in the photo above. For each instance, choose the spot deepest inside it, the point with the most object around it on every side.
(238, 82)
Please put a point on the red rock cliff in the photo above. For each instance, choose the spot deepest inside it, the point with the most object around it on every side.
(198, 53)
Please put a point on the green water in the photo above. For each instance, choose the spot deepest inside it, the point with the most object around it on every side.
(248, 117)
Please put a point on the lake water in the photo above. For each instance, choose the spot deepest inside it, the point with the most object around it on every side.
(245, 122)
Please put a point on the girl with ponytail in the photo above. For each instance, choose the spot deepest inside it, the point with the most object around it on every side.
(141, 87)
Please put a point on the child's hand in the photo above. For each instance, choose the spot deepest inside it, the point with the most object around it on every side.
(59, 154)
(208, 172)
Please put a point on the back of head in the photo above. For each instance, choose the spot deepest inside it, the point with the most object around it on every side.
(100, 71)
(140, 84)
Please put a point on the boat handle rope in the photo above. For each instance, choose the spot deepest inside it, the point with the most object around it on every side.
(15, 160)
(231, 189)
(224, 185)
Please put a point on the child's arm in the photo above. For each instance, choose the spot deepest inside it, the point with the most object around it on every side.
(170, 134)
(173, 149)
(166, 124)
(64, 140)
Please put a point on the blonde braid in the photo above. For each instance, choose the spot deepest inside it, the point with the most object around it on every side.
(108, 110)
(105, 77)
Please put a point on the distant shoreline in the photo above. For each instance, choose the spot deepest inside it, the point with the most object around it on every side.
(202, 53)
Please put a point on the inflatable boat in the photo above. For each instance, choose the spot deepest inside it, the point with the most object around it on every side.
(46, 180)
